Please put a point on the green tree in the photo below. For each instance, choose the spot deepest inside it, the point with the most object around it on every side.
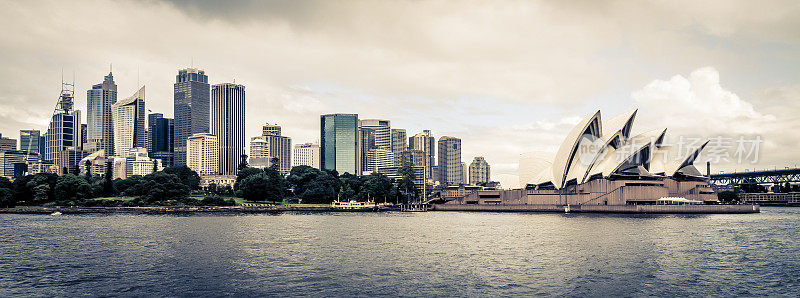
(6, 193)
(322, 189)
(268, 185)
(159, 187)
(7, 198)
(300, 177)
(274, 163)
(88, 165)
(376, 187)
(243, 163)
(406, 184)
(72, 190)
(244, 173)
(132, 186)
(186, 175)
(108, 184)
(5, 183)
(40, 187)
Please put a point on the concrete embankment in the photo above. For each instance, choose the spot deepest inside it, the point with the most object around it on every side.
(668, 209)
(164, 210)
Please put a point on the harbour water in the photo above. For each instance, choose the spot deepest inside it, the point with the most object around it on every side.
(401, 254)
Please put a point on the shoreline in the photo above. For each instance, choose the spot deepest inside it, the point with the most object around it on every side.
(624, 209)
(163, 209)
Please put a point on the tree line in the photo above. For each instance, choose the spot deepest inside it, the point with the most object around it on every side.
(175, 186)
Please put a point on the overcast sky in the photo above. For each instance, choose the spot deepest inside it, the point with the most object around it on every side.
(505, 77)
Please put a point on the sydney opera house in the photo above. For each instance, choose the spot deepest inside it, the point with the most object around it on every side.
(602, 163)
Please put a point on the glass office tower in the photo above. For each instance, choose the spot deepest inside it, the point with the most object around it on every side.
(339, 143)
(191, 109)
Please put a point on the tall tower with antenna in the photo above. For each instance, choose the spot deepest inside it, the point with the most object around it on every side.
(63, 133)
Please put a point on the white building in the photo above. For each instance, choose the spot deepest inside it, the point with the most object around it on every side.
(306, 155)
(378, 148)
(137, 162)
(129, 127)
(202, 151)
(270, 145)
(479, 171)
(96, 162)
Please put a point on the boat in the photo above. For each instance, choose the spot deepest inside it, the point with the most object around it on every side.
(354, 206)
(56, 213)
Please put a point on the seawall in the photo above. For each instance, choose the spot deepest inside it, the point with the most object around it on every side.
(668, 209)
(163, 210)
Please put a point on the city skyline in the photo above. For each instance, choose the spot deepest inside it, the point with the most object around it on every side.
(495, 97)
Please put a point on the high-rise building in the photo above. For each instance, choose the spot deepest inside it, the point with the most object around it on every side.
(414, 158)
(479, 171)
(129, 126)
(99, 121)
(7, 144)
(41, 145)
(383, 132)
(464, 172)
(339, 143)
(450, 167)
(259, 152)
(271, 130)
(191, 109)
(84, 134)
(161, 131)
(14, 163)
(202, 151)
(399, 144)
(306, 155)
(379, 151)
(63, 132)
(29, 140)
(367, 146)
(227, 123)
(425, 142)
(271, 145)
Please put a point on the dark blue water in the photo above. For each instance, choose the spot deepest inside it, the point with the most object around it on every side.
(401, 254)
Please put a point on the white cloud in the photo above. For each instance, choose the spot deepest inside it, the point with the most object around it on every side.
(699, 101)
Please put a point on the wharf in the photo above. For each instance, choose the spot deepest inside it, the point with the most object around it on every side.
(665, 209)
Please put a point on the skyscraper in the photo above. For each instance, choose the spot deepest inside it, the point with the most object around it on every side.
(425, 142)
(100, 124)
(7, 144)
(306, 155)
(271, 130)
(479, 171)
(63, 132)
(201, 154)
(161, 131)
(450, 167)
(379, 153)
(128, 115)
(191, 109)
(29, 140)
(339, 143)
(271, 144)
(227, 123)
(367, 146)
(399, 144)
